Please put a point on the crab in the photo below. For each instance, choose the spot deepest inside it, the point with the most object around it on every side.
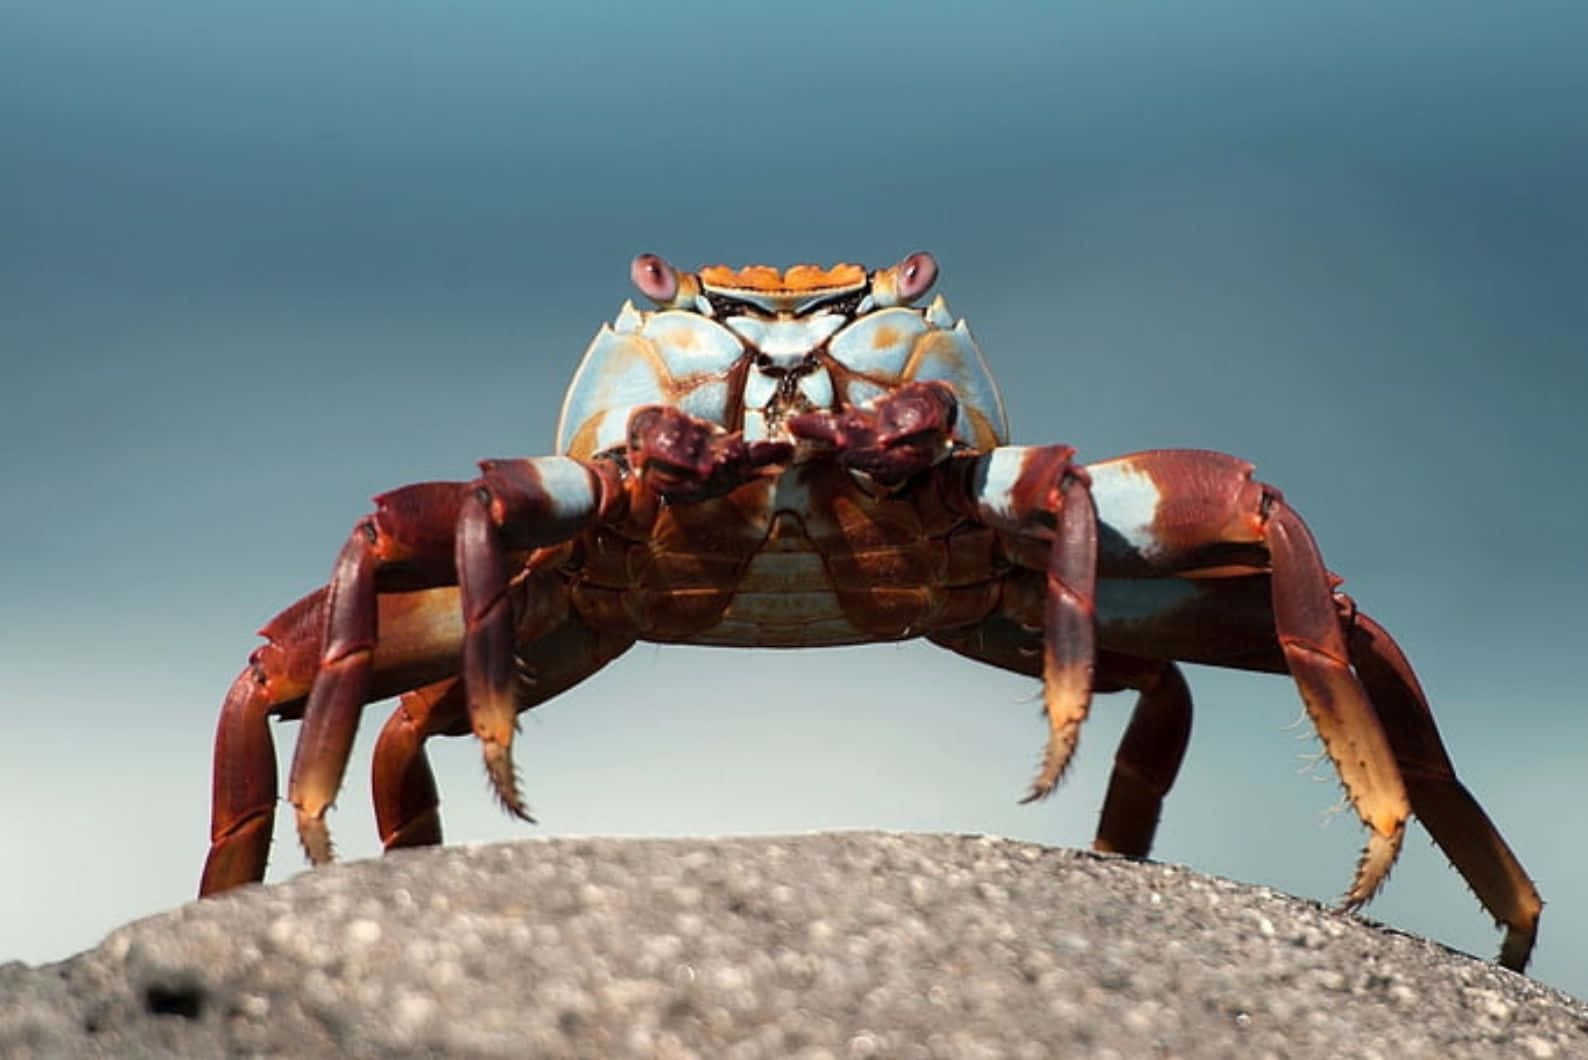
(805, 457)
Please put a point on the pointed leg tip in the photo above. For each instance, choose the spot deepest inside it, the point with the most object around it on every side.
(1039, 790)
(315, 837)
(1517, 948)
(504, 780)
(1054, 762)
(1378, 857)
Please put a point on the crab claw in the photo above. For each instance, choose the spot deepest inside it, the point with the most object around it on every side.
(684, 458)
(905, 432)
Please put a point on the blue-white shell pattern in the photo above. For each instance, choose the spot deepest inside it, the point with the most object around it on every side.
(685, 359)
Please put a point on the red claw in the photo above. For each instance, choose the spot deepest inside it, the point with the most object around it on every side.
(906, 432)
(687, 459)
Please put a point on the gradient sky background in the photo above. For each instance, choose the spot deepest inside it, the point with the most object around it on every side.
(257, 265)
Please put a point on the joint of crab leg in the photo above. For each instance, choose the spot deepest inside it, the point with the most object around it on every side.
(244, 793)
(538, 502)
(413, 535)
(407, 805)
(1147, 761)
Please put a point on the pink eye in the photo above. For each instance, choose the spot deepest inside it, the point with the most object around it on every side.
(654, 277)
(916, 273)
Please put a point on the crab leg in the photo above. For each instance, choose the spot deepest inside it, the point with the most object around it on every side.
(1314, 646)
(407, 804)
(1069, 641)
(434, 531)
(1033, 493)
(1037, 495)
(243, 791)
(1449, 812)
(403, 524)
(420, 641)
(1149, 755)
(1154, 744)
(1201, 516)
(406, 800)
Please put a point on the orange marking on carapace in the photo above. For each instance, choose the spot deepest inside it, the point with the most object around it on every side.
(795, 278)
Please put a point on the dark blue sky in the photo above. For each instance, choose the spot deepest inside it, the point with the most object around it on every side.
(256, 266)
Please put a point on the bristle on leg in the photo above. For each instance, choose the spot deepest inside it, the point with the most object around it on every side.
(504, 779)
(1372, 869)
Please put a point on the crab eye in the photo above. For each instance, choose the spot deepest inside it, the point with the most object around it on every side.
(916, 273)
(654, 277)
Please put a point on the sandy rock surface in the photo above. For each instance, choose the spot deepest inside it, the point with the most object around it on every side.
(829, 945)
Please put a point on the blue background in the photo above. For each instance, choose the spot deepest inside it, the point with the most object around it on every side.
(258, 265)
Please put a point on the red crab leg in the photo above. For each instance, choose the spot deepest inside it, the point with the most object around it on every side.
(1038, 494)
(1030, 493)
(243, 792)
(422, 633)
(1314, 646)
(436, 530)
(407, 805)
(1149, 755)
(1069, 641)
(1449, 812)
(1201, 515)
(406, 802)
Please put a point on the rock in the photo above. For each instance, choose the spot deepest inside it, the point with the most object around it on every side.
(831, 945)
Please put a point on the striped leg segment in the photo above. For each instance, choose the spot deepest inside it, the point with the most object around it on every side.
(1040, 501)
(1201, 517)
(1069, 644)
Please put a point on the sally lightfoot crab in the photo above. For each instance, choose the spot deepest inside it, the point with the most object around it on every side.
(805, 457)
